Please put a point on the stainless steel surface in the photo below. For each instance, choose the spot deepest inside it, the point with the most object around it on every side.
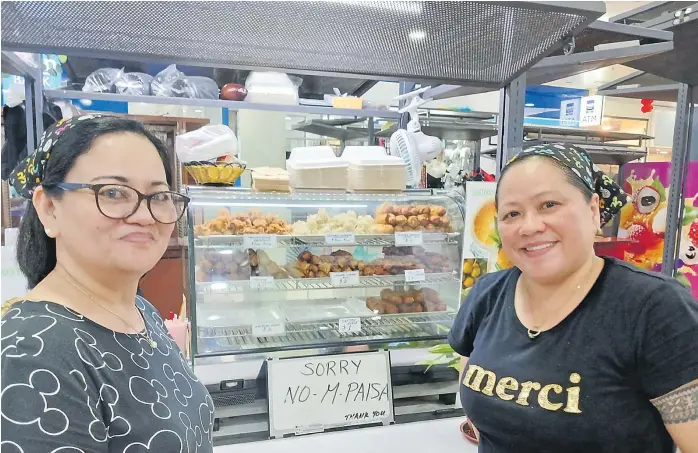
(467, 42)
(648, 11)
(318, 240)
(455, 129)
(304, 284)
(562, 66)
(385, 328)
(634, 80)
(667, 93)
(511, 116)
(232, 105)
(679, 168)
(680, 64)
(550, 133)
(13, 64)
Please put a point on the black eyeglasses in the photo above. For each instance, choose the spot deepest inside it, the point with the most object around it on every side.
(117, 201)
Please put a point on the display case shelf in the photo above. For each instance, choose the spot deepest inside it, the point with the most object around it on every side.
(408, 327)
(305, 284)
(365, 240)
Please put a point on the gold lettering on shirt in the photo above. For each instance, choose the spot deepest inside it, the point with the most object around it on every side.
(506, 388)
(526, 388)
(573, 395)
(474, 377)
(544, 400)
(504, 384)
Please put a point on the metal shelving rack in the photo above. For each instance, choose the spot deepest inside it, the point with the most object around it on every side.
(29, 67)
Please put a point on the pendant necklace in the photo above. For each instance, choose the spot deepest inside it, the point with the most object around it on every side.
(535, 331)
(141, 334)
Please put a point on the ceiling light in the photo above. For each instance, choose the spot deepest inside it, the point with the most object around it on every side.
(530, 104)
(606, 127)
(417, 35)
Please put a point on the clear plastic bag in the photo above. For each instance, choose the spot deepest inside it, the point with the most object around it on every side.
(170, 82)
(203, 87)
(133, 83)
(207, 143)
(102, 80)
(272, 88)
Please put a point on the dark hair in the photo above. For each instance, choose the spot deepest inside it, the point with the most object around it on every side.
(571, 177)
(36, 252)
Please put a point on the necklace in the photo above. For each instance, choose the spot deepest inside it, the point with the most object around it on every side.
(535, 331)
(142, 334)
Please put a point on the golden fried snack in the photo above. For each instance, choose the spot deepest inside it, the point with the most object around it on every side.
(413, 222)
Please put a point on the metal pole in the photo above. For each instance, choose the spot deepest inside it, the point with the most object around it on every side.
(679, 166)
(511, 116)
(29, 112)
(405, 87)
(371, 132)
(38, 88)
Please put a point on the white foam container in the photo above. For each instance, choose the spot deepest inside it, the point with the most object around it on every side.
(317, 168)
(372, 170)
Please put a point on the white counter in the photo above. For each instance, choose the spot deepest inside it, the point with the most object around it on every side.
(441, 436)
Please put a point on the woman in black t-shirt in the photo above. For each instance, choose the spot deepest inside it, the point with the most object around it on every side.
(569, 352)
(87, 365)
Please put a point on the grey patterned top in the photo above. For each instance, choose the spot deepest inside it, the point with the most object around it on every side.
(69, 385)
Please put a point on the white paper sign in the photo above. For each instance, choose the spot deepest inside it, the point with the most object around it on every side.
(350, 278)
(261, 282)
(349, 325)
(259, 241)
(414, 275)
(269, 329)
(312, 394)
(408, 238)
(340, 239)
(591, 111)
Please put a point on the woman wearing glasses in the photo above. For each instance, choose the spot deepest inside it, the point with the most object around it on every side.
(87, 366)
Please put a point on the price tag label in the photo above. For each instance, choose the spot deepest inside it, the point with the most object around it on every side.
(340, 239)
(261, 282)
(407, 238)
(414, 275)
(270, 329)
(344, 278)
(259, 241)
(349, 325)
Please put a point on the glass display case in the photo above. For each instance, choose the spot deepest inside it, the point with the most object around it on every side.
(273, 272)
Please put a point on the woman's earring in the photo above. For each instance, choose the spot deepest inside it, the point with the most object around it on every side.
(49, 233)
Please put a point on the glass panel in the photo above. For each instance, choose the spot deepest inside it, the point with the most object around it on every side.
(276, 271)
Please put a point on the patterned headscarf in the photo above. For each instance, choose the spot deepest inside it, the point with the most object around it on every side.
(611, 196)
(29, 173)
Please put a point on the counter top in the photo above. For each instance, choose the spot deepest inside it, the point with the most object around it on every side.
(434, 435)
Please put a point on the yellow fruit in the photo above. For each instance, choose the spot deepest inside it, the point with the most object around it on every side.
(476, 271)
(469, 282)
(467, 267)
(503, 261)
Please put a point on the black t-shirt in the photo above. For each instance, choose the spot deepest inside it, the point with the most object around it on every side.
(586, 384)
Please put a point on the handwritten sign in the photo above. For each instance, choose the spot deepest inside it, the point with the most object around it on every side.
(414, 275)
(270, 329)
(312, 394)
(350, 278)
(264, 282)
(407, 238)
(259, 241)
(349, 325)
(340, 239)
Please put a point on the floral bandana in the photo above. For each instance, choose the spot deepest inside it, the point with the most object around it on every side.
(611, 196)
(29, 173)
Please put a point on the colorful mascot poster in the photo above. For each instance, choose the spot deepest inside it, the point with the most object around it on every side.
(644, 220)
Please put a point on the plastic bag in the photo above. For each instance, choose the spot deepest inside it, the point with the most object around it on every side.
(171, 82)
(203, 87)
(102, 80)
(207, 143)
(133, 83)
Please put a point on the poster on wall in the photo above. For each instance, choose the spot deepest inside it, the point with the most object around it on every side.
(644, 220)
(481, 239)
